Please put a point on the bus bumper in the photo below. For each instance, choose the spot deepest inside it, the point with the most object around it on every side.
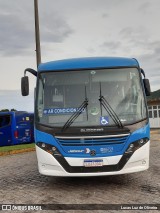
(48, 165)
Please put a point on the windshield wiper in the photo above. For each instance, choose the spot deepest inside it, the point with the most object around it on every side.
(81, 108)
(75, 115)
(109, 109)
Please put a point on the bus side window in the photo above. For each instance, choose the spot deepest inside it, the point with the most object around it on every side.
(1, 120)
(4, 120)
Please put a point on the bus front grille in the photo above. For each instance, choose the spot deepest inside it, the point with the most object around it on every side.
(95, 140)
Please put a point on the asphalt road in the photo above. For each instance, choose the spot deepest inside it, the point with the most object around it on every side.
(20, 183)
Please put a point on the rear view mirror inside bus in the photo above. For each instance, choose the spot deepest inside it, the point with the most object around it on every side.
(147, 87)
(25, 86)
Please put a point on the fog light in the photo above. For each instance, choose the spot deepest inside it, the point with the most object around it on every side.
(143, 162)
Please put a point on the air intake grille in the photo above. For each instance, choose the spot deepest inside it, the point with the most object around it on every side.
(105, 140)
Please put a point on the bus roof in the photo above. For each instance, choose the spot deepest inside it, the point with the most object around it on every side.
(13, 112)
(88, 63)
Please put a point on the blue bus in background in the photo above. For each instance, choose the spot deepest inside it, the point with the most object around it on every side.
(91, 116)
(16, 127)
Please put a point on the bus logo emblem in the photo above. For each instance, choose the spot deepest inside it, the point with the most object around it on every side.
(92, 152)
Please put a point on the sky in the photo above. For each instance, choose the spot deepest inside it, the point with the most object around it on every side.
(75, 28)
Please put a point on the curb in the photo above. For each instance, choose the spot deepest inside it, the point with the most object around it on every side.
(17, 151)
(155, 131)
(152, 139)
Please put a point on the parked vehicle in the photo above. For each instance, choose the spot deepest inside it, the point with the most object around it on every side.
(16, 128)
(91, 116)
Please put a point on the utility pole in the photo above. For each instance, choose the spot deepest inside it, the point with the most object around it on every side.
(37, 34)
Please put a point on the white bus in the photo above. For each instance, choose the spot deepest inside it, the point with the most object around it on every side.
(91, 117)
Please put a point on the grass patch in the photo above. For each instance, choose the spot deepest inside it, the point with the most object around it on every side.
(16, 147)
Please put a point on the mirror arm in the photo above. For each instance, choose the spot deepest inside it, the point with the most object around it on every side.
(143, 73)
(32, 71)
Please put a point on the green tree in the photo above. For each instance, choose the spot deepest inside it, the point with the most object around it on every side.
(4, 110)
(13, 110)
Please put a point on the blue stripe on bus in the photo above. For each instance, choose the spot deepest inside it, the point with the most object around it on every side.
(119, 149)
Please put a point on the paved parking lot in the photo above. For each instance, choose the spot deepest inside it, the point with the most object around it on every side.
(20, 183)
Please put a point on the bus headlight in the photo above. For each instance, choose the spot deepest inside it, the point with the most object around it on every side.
(48, 148)
(136, 145)
(43, 145)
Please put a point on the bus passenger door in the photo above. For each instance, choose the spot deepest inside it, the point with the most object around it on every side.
(5, 130)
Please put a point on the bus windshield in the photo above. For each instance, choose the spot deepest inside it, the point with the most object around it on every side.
(61, 94)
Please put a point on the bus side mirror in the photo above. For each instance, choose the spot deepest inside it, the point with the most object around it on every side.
(25, 86)
(147, 86)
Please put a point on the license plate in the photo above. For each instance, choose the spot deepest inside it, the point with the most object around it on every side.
(93, 163)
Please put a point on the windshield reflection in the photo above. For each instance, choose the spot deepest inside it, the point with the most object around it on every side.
(61, 93)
